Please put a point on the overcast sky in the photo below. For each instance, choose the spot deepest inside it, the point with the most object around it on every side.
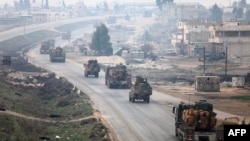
(207, 3)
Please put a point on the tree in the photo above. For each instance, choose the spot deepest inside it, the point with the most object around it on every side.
(26, 4)
(101, 41)
(105, 6)
(216, 13)
(147, 48)
(238, 12)
(47, 4)
(159, 3)
(243, 3)
(248, 16)
(148, 51)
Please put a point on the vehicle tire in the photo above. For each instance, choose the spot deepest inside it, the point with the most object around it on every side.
(181, 138)
(176, 134)
(97, 75)
(148, 100)
(129, 98)
(133, 99)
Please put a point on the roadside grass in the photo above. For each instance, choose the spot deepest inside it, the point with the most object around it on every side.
(44, 101)
(245, 98)
(73, 26)
(23, 42)
(17, 129)
(40, 102)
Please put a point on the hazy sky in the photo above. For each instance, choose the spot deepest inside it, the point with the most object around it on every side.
(207, 3)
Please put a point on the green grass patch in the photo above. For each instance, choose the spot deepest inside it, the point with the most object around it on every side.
(46, 100)
(17, 129)
(242, 98)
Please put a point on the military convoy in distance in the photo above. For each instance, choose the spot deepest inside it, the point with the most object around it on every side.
(91, 68)
(46, 46)
(57, 55)
(117, 77)
(140, 89)
(66, 35)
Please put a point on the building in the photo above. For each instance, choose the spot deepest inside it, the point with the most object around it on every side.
(235, 36)
(39, 18)
(192, 38)
(175, 12)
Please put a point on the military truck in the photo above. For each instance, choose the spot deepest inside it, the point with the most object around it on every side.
(66, 35)
(46, 46)
(91, 68)
(52, 43)
(117, 76)
(196, 122)
(140, 89)
(57, 55)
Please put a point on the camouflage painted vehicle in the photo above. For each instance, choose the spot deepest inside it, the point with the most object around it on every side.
(196, 122)
(141, 89)
(91, 68)
(46, 46)
(44, 49)
(117, 77)
(57, 55)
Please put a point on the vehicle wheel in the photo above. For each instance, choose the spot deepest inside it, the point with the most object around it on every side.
(110, 86)
(181, 138)
(97, 75)
(133, 99)
(176, 134)
(129, 98)
(148, 100)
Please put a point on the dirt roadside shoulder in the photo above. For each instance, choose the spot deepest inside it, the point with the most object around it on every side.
(226, 100)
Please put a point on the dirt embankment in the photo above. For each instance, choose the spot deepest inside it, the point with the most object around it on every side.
(35, 103)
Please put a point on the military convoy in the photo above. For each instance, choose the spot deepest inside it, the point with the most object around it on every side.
(196, 122)
(140, 89)
(57, 55)
(117, 77)
(91, 68)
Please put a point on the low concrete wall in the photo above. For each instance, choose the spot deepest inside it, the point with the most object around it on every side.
(207, 83)
(238, 81)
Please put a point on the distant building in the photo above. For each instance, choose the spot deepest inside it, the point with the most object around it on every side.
(9, 21)
(192, 38)
(39, 18)
(233, 35)
(175, 12)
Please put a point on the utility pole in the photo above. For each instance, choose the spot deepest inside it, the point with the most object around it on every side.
(204, 58)
(226, 63)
